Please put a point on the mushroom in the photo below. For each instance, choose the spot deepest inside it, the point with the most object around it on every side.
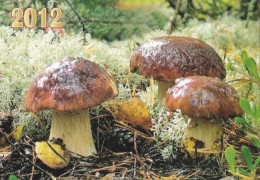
(70, 87)
(206, 101)
(167, 58)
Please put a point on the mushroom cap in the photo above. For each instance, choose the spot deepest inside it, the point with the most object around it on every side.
(203, 97)
(70, 84)
(168, 58)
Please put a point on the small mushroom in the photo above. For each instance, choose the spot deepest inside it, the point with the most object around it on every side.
(70, 87)
(206, 101)
(167, 58)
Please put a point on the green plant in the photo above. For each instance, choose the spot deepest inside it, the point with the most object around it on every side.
(250, 122)
(250, 65)
(230, 156)
(12, 177)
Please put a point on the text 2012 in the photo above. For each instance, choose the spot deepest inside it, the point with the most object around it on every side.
(28, 18)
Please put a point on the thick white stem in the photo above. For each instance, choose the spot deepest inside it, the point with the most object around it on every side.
(162, 90)
(204, 135)
(75, 130)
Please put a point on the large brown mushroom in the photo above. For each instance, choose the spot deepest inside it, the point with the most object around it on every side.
(206, 101)
(70, 87)
(167, 58)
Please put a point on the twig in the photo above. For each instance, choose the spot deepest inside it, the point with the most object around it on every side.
(80, 20)
(192, 174)
(38, 119)
(139, 133)
(174, 17)
(235, 80)
(24, 156)
(58, 154)
(34, 160)
(112, 21)
(253, 79)
(109, 167)
(138, 157)
(248, 90)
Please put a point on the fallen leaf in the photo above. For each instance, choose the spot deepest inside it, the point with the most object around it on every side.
(52, 155)
(135, 112)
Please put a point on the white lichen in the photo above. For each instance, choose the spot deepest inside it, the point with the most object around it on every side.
(168, 131)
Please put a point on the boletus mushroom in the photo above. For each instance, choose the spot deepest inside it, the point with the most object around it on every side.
(167, 58)
(70, 87)
(206, 101)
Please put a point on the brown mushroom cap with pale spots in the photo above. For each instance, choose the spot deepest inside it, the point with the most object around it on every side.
(203, 97)
(70, 84)
(168, 58)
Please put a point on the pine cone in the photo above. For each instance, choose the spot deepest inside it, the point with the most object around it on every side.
(6, 123)
(121, 140)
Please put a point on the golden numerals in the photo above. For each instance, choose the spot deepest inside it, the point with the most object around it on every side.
(28, 18)
(17, 13)
(43, 14)
(55, 23)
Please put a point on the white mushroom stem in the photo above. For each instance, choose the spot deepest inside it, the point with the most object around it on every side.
(208, 135)
(75, 130)
(162, 90)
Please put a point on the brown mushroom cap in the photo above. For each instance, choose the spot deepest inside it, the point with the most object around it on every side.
(70, 84)
(203, 97)
(168, 58)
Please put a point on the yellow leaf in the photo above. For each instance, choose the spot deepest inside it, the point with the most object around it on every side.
(17, 133)
(135, 112)
(52, 154)
(241, 83)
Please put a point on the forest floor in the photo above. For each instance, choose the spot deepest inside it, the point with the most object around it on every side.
(126, 157)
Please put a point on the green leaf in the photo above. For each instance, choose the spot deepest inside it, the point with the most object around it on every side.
(12, 177)
(255, 141)
(243, 172)
(252, 68)
(245, 106)
(240, 120)
(248, 130)
(248, 120)
(230, 155)
(257, 161)
(247, 157)
(250, 65)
